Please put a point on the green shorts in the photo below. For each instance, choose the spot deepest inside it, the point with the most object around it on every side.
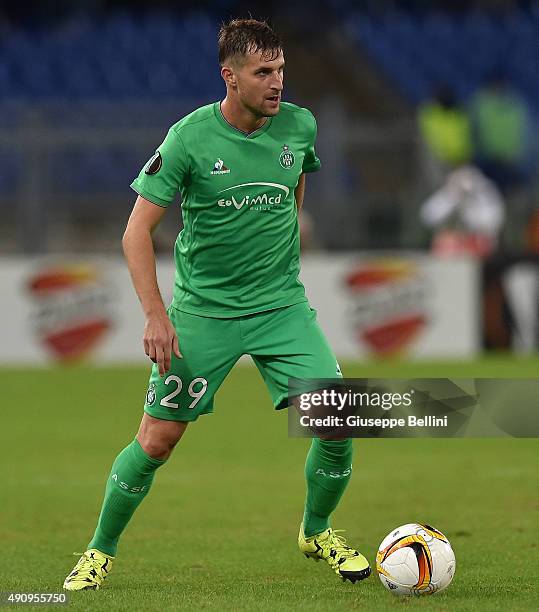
(284, 343)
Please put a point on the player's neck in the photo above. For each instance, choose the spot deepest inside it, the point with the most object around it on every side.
(241, 118)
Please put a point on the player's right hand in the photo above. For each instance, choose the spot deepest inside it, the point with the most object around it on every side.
(160, 340)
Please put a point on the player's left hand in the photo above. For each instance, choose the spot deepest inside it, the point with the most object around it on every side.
(160, 341)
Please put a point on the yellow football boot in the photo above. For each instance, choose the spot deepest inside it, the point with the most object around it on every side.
(91, 569)
(346, 562)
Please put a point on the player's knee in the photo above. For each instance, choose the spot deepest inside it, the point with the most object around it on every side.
(156, 449)
(158, 437)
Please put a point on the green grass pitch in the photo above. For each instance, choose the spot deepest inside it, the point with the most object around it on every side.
(218, 531)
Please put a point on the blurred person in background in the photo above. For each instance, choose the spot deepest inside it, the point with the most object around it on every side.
(502, 133)
(467, 214)
(445, 129)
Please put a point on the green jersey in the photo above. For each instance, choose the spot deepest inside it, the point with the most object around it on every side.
(238, 252)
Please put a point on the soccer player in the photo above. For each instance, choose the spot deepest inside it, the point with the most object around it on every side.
(240, 167)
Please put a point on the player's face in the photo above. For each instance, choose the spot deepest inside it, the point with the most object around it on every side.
(260, 84)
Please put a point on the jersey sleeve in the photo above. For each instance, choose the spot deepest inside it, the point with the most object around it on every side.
(165, 172)
(311, 163)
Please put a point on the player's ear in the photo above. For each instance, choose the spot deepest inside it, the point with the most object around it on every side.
(228, 76)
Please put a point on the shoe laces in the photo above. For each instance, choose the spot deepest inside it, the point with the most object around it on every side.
(89, 567)
(338, 544)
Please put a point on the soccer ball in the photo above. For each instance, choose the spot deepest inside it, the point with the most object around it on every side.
(415, 559)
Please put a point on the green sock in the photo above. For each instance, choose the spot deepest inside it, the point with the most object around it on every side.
(129, 481)
(327, 471)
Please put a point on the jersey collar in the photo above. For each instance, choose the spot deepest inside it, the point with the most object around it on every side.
(230, 128)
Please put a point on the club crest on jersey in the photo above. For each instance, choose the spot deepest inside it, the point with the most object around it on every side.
(286, 158)
(220, 168)
(150, 395)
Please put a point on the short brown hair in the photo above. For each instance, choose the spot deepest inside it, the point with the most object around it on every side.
(241, 36)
